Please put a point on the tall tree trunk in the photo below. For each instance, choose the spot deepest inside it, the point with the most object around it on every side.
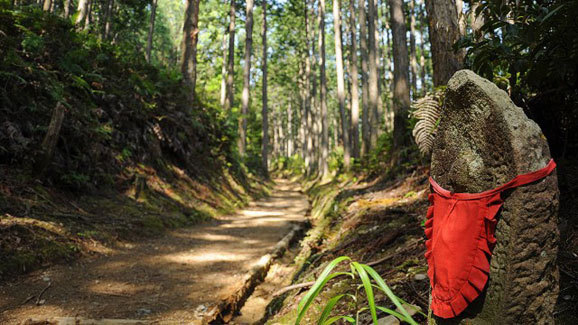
(324, 168)
(313, 118)
(246, 78)
(341, 83)
(67, 8)
(401, 99)
(229, 99)
(88, 17)
(422, 61)
(373, 73)
(444, 32)
(476, 21)
(152, 30)
(189, 48)
(224, 70)
(307, 141)
(412, 50)
(354, 82)
(365, 129)
(46, 5)
(82, 10)
(290, 135)
(265, 140)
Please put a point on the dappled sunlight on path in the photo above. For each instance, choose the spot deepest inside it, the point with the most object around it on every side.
(173, 277)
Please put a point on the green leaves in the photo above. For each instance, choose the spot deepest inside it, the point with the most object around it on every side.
(365, 274)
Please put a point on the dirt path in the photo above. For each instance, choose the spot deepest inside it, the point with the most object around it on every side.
(174, 277)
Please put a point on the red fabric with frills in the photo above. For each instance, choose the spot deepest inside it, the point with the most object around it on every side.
(460, 240)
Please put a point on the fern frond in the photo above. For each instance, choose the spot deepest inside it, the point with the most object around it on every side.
(427, 111)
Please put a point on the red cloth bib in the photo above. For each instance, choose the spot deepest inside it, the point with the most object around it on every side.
(460, 239)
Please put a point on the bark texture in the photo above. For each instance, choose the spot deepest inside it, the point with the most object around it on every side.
(152, 30)
(324, 168)
(341, 82)
(246, 78)
(483, 141)
(354, 82)
(444, 32)
(365, 129)
(264, 110)
(229, 99)
(401, 99)
(190, 39)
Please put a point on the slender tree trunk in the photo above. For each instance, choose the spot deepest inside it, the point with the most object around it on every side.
(307, 143)
(66, 8)
(152, 29)
(82, 10)
(290, 134)
(476, 21)
(246, 79)
(265, 140)
(422, 61)
(341, 82)
(354, 82)
(324, 168)
(224, 70)
(189, 48)
(110, 15)
(231, 60)
(313, 118)
(365, 129)
(46, 5)
(412, 50)
(88, 18)
(401, 100)
(373, 78)
(50, 139)
(444, 32)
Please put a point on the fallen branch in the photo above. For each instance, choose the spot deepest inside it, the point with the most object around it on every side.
(41, 293)
(224, 311)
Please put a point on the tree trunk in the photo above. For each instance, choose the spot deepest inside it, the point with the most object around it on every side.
(82, 10)
(189, 48)
(422, 61)
(229, 99)
(373, 87)
(246, 79)
(151, 30)
(307, 142)
(476, 22)
(67, 8)
(401, 99)
(224, 70)
(88, 17)
(365, 130)
(412, 50)
(265, 140)
(444, 32)
(341, 83)
(290, 134)
(46, 5)
(51, 138)
(354, 82)
(324, 168)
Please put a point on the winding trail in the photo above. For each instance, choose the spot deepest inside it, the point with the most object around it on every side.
(175, 277)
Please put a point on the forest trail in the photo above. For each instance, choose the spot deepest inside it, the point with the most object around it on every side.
(174, 277)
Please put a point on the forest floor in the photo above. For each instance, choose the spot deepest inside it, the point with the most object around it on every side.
(176, 276)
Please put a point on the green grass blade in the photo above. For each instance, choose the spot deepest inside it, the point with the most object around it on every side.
(381, 283)
(336, 318)
(394, 313)
(328, 308)
(316, 288)
(368, 289)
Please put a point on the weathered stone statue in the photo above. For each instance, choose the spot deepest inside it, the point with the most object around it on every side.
(482, 142)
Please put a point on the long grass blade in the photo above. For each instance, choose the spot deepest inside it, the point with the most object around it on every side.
(328, 308)
(336, 318)
(381, 283)
(316, 288)
(368, 290)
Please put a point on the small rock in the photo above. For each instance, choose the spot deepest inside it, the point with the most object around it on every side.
(143, 311)
(411, 309)
(567, 297)
(42, 302)
(46, 279)
(389, 320)
(420, 277)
